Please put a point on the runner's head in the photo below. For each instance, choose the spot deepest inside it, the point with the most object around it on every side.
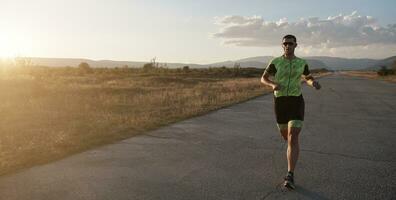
(289, 43)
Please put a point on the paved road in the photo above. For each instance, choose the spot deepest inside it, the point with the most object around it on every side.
(347, 152)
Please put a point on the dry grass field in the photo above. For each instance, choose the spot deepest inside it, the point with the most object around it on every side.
(46, 114)
(49, 113)
(370, 75)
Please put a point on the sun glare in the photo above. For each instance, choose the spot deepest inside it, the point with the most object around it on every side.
(12, 46)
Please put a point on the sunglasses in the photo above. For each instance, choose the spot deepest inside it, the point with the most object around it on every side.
(288, 43)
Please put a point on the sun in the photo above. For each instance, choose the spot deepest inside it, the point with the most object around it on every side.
(6, 47)
(12, 46)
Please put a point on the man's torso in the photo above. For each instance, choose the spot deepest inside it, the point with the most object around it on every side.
(287, 73)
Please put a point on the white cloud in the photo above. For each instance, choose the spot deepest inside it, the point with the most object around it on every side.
(334, 32)
(378, 51)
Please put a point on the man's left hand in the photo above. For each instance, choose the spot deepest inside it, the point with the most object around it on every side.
(316, 85)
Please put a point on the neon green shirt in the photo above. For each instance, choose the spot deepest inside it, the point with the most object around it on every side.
(288, 73)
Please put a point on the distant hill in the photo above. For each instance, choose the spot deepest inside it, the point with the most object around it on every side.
(315, 62)
(262, 62)
(336, 63)
(247, 63)
(74, 62)
(262, 59)
(387, 62)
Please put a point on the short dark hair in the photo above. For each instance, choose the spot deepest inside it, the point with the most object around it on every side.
(290, 37)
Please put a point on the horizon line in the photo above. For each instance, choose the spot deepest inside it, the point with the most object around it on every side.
(175, 62)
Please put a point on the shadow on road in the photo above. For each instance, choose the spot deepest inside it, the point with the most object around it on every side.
(310, 194)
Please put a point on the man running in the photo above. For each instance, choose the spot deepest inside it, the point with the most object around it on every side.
(289, 102)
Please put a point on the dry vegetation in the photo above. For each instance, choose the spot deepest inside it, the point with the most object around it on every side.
(370, 75)
(48, 113)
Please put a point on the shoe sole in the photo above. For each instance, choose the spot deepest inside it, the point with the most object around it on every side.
(289, 185)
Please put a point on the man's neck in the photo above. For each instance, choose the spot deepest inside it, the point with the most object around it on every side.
(289, 56)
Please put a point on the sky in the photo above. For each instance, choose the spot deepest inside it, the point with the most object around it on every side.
(192, 31)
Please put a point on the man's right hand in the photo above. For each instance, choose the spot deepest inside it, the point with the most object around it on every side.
(276, 87)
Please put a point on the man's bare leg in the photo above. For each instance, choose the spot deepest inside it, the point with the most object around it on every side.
(292, 155)
(284, 133)
(293, 148)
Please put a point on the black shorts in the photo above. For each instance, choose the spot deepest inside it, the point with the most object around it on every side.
(289, 108)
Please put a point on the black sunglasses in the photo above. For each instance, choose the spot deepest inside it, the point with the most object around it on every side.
(288, 43)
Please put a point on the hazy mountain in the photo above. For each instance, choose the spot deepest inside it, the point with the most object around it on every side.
(228, 63)
(316, 64)
(262, 59)
(246, 63)
(334, 63)
(74, 62)
(262, 62)
(387, 62)
(337, 63)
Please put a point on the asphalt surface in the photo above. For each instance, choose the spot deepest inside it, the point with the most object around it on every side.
(347, 152)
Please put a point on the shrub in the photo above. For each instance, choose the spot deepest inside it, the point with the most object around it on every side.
(383, 71)
(186, 68)
(148, 66)
(84, 68)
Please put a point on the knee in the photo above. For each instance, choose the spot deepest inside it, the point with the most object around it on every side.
(293, 135)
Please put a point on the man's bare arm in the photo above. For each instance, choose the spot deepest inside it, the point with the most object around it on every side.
(266, 81)
(311, 82)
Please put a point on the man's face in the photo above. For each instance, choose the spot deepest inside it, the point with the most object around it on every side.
(289, 45)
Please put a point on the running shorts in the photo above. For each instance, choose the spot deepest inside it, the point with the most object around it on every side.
(289, 111)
